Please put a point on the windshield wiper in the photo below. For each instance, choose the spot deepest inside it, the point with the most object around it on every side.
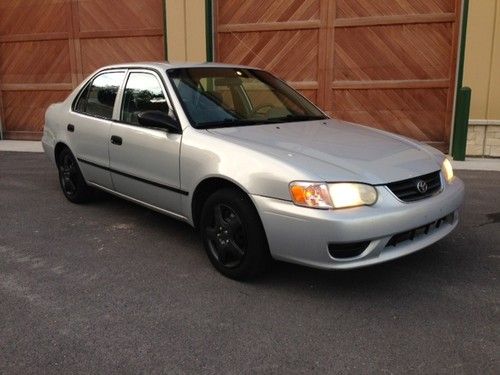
(230, 122)
(241, 122)
(292, 118)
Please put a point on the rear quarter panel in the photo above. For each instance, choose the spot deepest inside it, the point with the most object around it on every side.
(57, 116)
(52, 129)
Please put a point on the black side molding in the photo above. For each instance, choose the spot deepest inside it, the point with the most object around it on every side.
(166, 187)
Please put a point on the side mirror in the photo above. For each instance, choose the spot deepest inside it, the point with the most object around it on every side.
(158, 119)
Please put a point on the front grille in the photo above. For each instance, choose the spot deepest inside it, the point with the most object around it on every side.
(407, 190)
(413, 234)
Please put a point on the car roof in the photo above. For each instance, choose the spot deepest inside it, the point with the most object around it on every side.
(171, 65)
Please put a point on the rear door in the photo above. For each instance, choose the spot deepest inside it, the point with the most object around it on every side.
(144, 161)
(88, 130)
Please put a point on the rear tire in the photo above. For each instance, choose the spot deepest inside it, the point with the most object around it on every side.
(73, 184)
(233, 235)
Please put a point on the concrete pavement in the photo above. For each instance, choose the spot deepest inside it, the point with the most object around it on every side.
(111, 287)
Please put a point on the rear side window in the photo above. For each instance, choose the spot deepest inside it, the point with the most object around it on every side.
(98, 98)
(143, 92)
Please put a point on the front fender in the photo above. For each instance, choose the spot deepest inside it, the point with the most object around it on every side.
(205, 155)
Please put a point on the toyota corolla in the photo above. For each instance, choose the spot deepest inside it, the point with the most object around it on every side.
(256, 167)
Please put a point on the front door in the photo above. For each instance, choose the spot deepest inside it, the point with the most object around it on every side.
(144, 162)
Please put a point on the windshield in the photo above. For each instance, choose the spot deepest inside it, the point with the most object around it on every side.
(223, 97)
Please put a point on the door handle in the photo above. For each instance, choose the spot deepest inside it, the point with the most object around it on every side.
(116, 140)
(71, 128)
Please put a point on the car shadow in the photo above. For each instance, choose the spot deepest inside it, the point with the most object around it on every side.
(148, 218)
(397, 276)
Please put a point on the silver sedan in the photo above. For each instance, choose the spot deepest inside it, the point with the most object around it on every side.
(256, 167)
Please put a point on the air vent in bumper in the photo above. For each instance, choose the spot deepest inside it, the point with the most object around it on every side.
(416, 233)
(347, 250)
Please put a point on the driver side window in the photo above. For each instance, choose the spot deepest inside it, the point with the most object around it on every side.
(143, 92)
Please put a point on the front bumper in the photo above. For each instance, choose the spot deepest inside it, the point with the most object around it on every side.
(303, 235)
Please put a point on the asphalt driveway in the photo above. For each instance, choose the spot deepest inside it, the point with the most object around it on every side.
(111, 287)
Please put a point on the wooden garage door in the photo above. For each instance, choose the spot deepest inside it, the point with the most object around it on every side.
(48, 46)
(388, 64)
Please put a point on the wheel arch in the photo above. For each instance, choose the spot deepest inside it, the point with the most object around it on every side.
(207, 187)
(57, 150)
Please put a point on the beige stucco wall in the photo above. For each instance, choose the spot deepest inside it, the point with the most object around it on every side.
(494, 97)
(482, 74)
(186, 30)
(482, 59)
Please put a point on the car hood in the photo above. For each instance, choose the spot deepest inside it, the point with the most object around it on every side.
(335, 150)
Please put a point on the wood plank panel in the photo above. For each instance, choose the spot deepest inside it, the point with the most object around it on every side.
(368, 8)
(401, 111)
(263, 34)
(103, 51)
(95, 15)
(262, 11)
(24, 111)
(389, 64)
(410, 52)
(272, 50)
(33, 16)
(35, 62)
(48, 46)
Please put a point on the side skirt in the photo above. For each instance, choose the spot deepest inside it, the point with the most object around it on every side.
(144, 204)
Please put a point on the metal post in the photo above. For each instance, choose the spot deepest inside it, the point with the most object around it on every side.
(209, 33)
(462, 104)
(165, 35)
(461, 123)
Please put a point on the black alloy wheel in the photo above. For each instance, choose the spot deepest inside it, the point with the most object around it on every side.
(68, 174)
(233, 235)
(71, 179)
(227, 239)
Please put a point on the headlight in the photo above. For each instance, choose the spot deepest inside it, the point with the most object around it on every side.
(335, 195)
(310, 194)
(447, 170)
(350, 195)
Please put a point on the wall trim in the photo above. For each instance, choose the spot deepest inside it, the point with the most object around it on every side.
(268, 26)
(484, 122)
(392, 84)
(394, 20)
(36, 86)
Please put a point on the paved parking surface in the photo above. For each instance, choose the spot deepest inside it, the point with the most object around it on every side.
(111, 287)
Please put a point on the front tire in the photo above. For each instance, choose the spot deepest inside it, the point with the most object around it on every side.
(233, 235)
(71, 179)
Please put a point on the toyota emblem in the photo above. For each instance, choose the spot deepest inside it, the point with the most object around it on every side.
(422, 186)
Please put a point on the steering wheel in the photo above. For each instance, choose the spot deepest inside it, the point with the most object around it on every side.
(258, 109)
